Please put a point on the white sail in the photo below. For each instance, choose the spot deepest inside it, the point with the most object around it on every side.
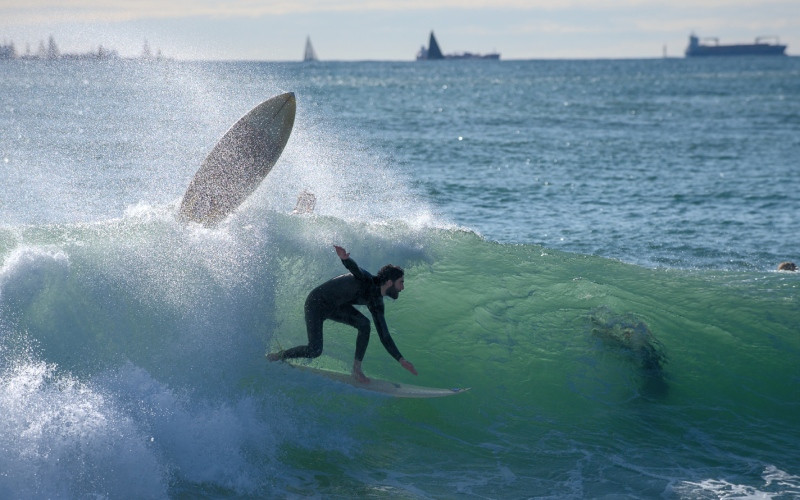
(309, 54)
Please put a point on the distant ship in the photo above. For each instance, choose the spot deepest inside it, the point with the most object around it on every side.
(759, 48)
(309, 54)
(433, 52)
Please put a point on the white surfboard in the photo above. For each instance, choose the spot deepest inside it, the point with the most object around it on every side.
(240, 161)
(394, 389)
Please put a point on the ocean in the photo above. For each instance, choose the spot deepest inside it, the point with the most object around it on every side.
(591, 246)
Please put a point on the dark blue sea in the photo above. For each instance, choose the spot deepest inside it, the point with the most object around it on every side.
(590, 245)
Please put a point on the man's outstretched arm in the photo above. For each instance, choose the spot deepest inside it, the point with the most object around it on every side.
(341, 252)
(351, 265)
(386, 339)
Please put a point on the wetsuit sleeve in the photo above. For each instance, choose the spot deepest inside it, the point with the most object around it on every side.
(360, 274)
(383, 330)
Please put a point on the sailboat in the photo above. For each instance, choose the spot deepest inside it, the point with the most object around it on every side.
(434, 52)
(309, 54)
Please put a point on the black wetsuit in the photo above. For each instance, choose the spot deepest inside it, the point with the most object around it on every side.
(334, 300)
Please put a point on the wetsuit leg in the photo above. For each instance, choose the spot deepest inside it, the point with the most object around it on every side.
(349, 315)
(315, 316)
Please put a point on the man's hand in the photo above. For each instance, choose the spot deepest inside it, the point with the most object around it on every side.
(408, 366)
(341, 252)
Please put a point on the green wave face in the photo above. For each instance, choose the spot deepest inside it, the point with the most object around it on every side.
(588, 376)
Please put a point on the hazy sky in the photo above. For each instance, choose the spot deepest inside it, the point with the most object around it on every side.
(393, 29)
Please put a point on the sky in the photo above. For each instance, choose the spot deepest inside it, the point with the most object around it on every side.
(393, 30)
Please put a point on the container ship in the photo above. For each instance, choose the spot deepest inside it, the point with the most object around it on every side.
(760, 48)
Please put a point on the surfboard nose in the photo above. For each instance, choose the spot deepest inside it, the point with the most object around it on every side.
(279, 109)
(290, 104)
(287, 110)
(287, 98)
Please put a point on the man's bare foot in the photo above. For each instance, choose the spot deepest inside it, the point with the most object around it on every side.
(360, 377)
(274, 356)
(358, 374)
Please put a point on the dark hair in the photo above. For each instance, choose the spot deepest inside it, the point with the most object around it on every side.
(389, 272)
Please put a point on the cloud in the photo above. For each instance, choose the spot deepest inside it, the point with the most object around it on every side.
(21, 12)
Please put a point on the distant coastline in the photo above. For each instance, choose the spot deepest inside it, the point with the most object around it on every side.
(697, 47)
(50, 51)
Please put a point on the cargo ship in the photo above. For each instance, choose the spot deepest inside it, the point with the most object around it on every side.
(760, 48)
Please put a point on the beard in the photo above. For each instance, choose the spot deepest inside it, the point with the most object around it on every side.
(393, 292)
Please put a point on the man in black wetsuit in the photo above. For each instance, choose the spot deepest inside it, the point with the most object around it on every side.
(334, 300)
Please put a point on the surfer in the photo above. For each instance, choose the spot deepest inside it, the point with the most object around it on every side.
(335, 299)
(787, 266)
(632, 337)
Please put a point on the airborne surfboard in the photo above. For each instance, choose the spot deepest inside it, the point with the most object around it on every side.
(395, 389)
(239, 162)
